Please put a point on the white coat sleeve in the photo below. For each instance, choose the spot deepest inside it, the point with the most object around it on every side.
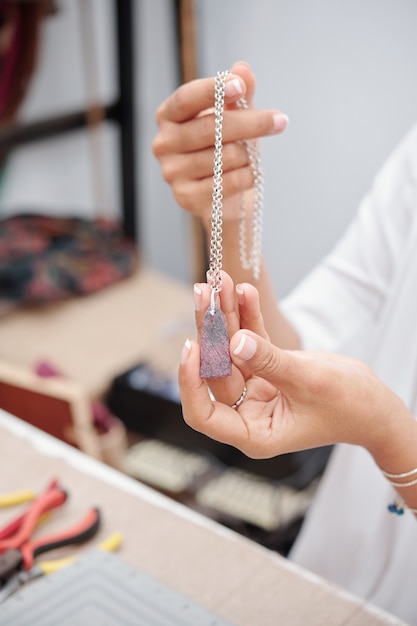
(343, 296)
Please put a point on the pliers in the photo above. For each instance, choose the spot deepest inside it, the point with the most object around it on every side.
(18, 550)
(44, 568)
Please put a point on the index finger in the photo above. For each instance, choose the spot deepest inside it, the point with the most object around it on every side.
(192, 98)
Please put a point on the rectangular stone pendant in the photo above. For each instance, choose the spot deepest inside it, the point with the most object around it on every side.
(215, 361)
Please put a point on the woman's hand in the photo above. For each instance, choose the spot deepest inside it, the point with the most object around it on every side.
(184, 147)
(294, 400)
(184, 143)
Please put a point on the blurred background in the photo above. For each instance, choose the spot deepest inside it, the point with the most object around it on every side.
(80, 81)
(344, 72)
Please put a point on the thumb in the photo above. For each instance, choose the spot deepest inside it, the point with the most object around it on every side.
(257, 356)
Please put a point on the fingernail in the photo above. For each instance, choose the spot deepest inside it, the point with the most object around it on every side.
(280, 122)
(246, 348)
(185, 353)
(197, 297)
(240, 294)
(233, 88)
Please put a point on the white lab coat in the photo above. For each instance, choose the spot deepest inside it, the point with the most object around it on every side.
(362, 301)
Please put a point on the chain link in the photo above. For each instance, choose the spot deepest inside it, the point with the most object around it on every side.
(216, 246)
(254, 260)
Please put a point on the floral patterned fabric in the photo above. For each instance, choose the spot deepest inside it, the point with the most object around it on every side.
(44, 259)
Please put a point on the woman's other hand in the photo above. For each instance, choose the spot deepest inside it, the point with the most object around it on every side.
(184, 142)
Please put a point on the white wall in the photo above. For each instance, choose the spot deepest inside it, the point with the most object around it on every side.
(55, 176)
(165, 229)
(345, 72)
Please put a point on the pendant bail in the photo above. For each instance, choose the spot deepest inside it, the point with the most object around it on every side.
(214, 301)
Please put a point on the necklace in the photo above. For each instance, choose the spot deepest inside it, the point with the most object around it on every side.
(215, 355)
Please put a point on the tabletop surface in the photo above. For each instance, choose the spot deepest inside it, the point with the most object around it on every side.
(228, 574)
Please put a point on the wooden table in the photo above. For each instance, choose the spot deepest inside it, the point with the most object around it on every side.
(92, 339)
(235, 578)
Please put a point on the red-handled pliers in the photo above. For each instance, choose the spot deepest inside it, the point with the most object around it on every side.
(17, 550)
(51, 502)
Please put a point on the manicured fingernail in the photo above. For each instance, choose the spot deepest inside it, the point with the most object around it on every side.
(197, 297)
(233, 88)
(185, 353)
(280, 122)
(240, 294)
(246, 348)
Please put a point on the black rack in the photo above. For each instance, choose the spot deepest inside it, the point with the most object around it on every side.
(121, 112)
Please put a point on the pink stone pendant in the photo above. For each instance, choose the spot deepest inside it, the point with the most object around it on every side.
(215, 361)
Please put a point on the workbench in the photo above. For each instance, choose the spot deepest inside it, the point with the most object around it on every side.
(235, 578)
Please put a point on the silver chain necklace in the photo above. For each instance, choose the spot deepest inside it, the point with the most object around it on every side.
(216, 248)
(215, 361)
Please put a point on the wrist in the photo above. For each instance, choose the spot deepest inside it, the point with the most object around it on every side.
(394, 441)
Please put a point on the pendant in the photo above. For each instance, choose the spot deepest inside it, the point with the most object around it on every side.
(215, 361)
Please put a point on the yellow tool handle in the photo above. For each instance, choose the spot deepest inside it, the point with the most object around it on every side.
(111, 544)
(17, 497)
(49, 567)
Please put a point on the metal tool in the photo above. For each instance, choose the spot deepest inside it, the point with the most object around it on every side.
(16, 498)
(18, 550)
(44, 568)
